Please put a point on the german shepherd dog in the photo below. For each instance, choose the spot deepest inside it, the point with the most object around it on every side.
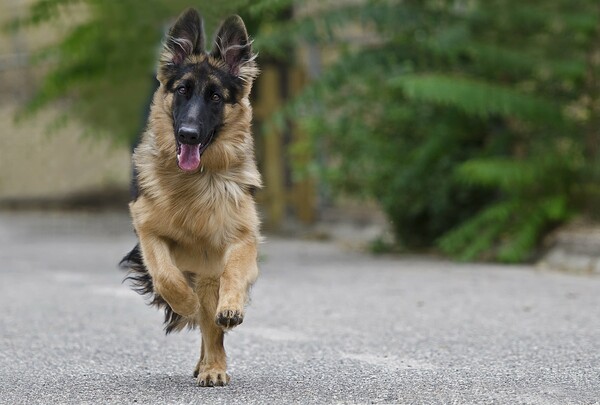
(195, 215)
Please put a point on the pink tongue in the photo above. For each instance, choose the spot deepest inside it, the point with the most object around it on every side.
(189, 157)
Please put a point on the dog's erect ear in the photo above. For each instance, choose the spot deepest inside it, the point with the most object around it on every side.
(185, 38)
(232, 44)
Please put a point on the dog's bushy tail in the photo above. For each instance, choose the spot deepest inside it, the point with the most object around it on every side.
(141, 282)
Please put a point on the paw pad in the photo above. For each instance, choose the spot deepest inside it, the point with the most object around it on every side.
(229, 318)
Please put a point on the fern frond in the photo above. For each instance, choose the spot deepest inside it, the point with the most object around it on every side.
(549, 169)
(477, 97)
(506, 231)
(478, 234)
(501, 58)
(505, 173)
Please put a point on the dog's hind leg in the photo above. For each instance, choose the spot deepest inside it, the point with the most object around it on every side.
(240, 273)
(212, 366)
(199, 364)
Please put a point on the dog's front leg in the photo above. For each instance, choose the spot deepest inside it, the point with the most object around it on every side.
(168, 280)
(240, 272)
(212, 366)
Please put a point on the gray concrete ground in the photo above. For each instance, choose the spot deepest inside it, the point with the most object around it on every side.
(326, 325)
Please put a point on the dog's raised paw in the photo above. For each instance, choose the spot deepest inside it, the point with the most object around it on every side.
(178, 294)
(213, 378)
(229, 318)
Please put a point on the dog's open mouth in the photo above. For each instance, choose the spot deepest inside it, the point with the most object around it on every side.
(189, 156)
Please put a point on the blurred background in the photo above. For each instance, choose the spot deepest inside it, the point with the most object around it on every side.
(468, 128)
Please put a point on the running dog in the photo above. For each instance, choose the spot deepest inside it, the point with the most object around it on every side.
(195, 215)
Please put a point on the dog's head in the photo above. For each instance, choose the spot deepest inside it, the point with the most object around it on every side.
(201, 88)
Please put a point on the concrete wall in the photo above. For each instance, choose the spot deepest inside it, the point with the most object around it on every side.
(35, 164)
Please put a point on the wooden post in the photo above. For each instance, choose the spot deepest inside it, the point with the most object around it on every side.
(303, 192)
(273, 172)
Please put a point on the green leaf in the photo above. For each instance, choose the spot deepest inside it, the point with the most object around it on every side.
(476, 97)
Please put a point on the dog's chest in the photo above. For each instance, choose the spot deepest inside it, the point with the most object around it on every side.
(211, 211)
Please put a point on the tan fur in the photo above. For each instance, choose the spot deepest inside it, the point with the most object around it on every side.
(200, 226)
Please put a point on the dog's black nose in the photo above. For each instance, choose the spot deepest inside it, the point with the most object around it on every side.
(188, 135)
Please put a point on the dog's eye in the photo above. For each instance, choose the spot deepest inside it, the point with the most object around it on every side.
(182, 90)
(215, 97)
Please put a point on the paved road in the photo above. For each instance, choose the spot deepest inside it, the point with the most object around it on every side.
(326, 325)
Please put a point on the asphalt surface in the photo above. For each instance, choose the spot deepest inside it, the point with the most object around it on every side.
(326, 325)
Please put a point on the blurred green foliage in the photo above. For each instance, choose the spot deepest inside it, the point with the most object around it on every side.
(475, 124)
(102, 70)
